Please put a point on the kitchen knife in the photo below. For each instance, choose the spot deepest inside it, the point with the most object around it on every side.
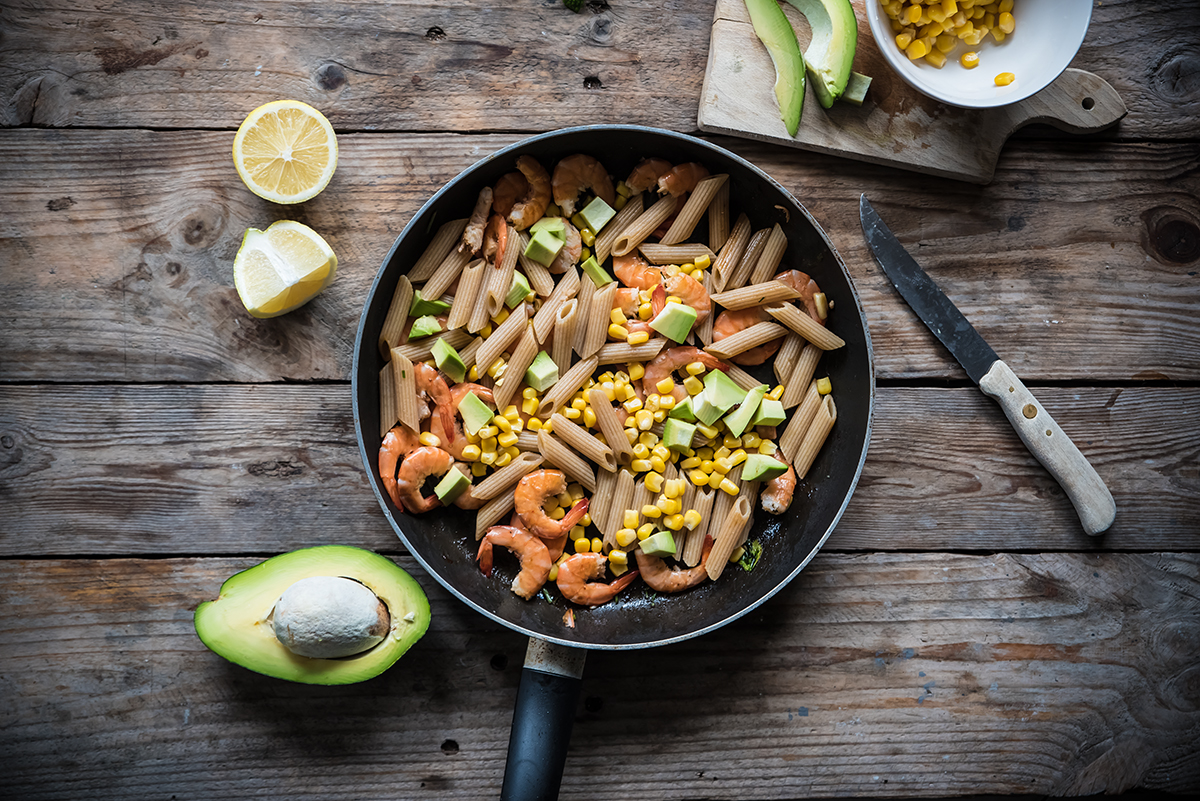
(1093, 502)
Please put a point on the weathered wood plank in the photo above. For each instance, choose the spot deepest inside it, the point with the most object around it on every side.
(1079, 262)
(527, 65)
(120, 470)
(884, 675)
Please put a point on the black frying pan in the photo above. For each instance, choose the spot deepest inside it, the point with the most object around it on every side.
(443, 542)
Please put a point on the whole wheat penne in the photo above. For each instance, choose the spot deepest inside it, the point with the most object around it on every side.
(450, 268)
(565, 324)
(785, 358)
(806, 326)
(480, 317)
(718, 218)
(741, 274)
(621, 499)
(421, 349)
(437, 250)
(566, 386)
(527, 440)
(722, 503)
(600, 507)
(587, 287)
(539, 277)
(772, 254)
(504, 479)
(744, 534)
(793, 433)
(598, 319)
(393, 325)
(747, 338)
(469, 284)
(501, 277)
(688, 502)
(491, 513)
(726, 539)
(469, 353)
(587, 445)
(567, 287)
(705, 330)
(616, 226)
(693, 209)
(522, 356)
(621, 352)
(405, 386)
(730, 254)
(802, 372)
(502, 338)
(675, 254)
(389, 413)
(612, 425)
(642, 496)
(814, 437)
(702, 503)
(646, 223)
(565, 459)
(756, 295)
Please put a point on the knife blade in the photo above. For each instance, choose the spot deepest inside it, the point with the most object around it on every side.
(1042, 436)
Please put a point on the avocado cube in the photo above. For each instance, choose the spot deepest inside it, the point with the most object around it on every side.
(770, 413)
(425, 326)
(721, 391)
(739, 419)
(674, 321)
(705, 410)
(475, 413)
(677, 435)
(598, 274)
(448, 361)
(519, 290)
(762, 468)
(543, 247)
(542, 373)
(683, 411)
(660, 543)
(554, 225)
(597, 214)
(421, 307)
(453, 484)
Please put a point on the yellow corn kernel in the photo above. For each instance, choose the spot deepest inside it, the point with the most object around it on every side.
(529, 405)
(660, 415)
(589, 239)
(657, 464)
(969, 60)
(630, 518)
(1007, 23)
(645, 312)
(641, 451)
(661, 452)
(547, 426)
(654, 482)
(640, 466)
(647, 438)
(949, 7)
(691, 519)
(507, 440)
(695, 368)
(583, 545)
(628, 393)
(486, 331)
(617, 317)
(722, 465)
(693, 385)
(751, 440)
(487, 457)
(706, 431)
(635, 370)
(728, 486)
(473, 373)
(1004, 5)
(528, 393)
(665, 386)
(553, 575)
(632, 405)
(912, 14)
(597, 545)
(998, 35)
(768, 448)
(503, 423)
(936, 58)
(645, 530)
(626, 536)
(487, 432)
(557, 513)
(1005, 78)
(721, 452)
(673, 522)
(824, 385)
(565, 499)
(589, 417)
(619, 332)
(638, 338)
(488, 444)
(495, 368)
(586, 520)
(651, 511)
(616, 557)
(631, 434)
(918, 49)
(644, 420)
(690, 462)
(672, 506)
(533, 423)
(517, 425)
(471, 453)
(704, 262)
(430, 440)
(776, 393)
(737, 457)
(666, 402)
(652, 401)
(731, 442)
(478, 469)
(571, 413)
(502, 459)
(698, 477)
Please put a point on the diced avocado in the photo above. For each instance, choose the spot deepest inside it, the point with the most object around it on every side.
(705, 410)
(770, 413)
(674, 321)
(421, 307)
(553, 225)
(683, 411)
(830, 54)
(475, 413)
(660, 543)
(772, 27)
(448, 360)
(762, 468)
(542, 373)
(543, 247)
(598, 274)
(677, 434)
(597, 214)
(721, 391)
(425, 326)
(519, 290)
(739, 419)
(453, 484)
(856, 89)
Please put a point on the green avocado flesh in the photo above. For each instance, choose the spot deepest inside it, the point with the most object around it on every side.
(238, 625)
(830, 54)
(775, 32)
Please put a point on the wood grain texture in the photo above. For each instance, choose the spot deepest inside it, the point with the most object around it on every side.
(161, 470)
(883, 675)
(1079, 262)
(417, 65)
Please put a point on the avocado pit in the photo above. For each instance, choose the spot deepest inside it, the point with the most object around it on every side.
(328, 617)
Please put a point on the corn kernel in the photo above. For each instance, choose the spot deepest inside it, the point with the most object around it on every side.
(661, 452)
(632, 405)
(502, 459)
(645, 530)
(903, 40)
(502, 423)
(660, 415)
(698, 477)
(691, 519)
(471, 453)
(564, 499)
(693, 385)
(673, 522)
(571, 413)
(547, 426)
(644, 420)
(478, 469)
(529, 393)
(657, 464)
(728, 486)
(619, 332)
(488, 444)
(647, 438)
(936, 58)
(631, 434)
(557, 513)
(638, 338)
(722, 465)
(583, 545)
(1005, 78)
(721, 452)
(665, 386)
(533, 423)
(666, 402)
(636, 371)
(553, 575)
(704, 262)
(640, 466)
(645, 311)
(737, 457)
(918, 49)
(494, 370)
(626, 536)
(529, 405)
(629, 518)
(671, 506)
(768, 448)
(669, 270)
(616, 557)
(429, 440)
(969, 60)
(751, 440)
(704, 453)
(507, 440)
(652, 401)
(628, 393)
(597, 545)
(589, 239)
(824, 385)
(651, 511)
(586, 520)
(654, 482)
(487, 457)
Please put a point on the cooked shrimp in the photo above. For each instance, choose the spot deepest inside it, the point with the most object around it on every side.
(452, 439)
(473, 234)
(646, 174)
(672, 359)
(627, 299)
(777, 495)
(494, 239)
(692, 293)
(807, 288)
(730, 322)
(682, 178)
(568, 256)
(555, 546)
(633, 271)
(573, 575)
(397, 443)
(579, 173)
(418, 466)
(530, 206)
(431, 386)
(509, 189)
(531, 494)
(467, 499)
(535, 558)
(656, 573)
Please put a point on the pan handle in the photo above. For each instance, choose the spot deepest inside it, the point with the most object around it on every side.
(542, 721)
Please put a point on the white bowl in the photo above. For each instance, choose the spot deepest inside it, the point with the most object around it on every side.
(1047, 36)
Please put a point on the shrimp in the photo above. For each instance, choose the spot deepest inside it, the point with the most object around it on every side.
(451, 438)
(397, 443)
(672, 359)
(777, 495)
(627, 299)
(573, 575)
(807, 288)
(531, 493)
(530, 206)
(555, 546)
(568, 256)
(466, 499)
(418, 466)
(659, 576)
(495, 238)
(692, 293)
(473, 234)
(432, 386)
(509, 189)
(633, 271)
(534, 556)
(730, 322)
(646, 174)
(682, 178)
(576, 174)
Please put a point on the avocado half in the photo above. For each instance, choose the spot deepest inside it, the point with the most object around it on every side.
(239, 626)
(773, 29)
(830, 55)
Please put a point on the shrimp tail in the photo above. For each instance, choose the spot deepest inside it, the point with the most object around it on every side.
(575, 515)
(484, 557)
(624, 581)
(658, 299)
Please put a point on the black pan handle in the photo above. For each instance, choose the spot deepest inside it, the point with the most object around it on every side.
(542, 721)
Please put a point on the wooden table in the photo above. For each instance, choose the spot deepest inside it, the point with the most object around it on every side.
(958, 634)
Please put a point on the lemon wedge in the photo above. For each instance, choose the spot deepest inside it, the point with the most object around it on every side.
(282, 268)
(285, 151)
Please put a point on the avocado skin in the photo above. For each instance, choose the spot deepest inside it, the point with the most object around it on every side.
(773, 29)
(236, 626)
(830, 69)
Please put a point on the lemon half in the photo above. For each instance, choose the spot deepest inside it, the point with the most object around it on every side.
(282, 268)
(285, 151)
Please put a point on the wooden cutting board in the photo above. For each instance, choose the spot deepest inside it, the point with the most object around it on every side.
(897, 125)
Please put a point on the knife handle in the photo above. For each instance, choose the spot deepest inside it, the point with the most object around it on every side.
(1093, 502)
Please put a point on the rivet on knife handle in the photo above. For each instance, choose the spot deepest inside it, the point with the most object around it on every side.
(1093, 502)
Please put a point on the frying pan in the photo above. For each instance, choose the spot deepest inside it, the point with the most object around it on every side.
(442, 540)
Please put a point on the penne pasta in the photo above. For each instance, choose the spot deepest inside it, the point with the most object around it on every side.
(601, 507)
(688, 502)
(727, 537)
(621, 352)
(587, 287)
(567, 385)
(587, 445)
(806, 326)
(478, 301)
(642, 496)
(421, 349)
(565, 459)
(470, 282)
(598, 319)
(694, 547)
(772, 254)
(621, 499)
(437, 250)
(741, 274)
(393, 324)
(450, 268)
(612, 425)
(646, 224)
(565, 324)
(502, 338)
(404, 383)
(389, 413)
(694, 209)
(755, 295)
(802, 372)
(730, 253)
(718, 219)
(785, 358)
(674, 254)
(501, 277)
(814, 437)
(527, 440)
(492, 512)
(504, 479)
(793, 434)
(539, 277)
(747, 338)
(522, 356)
(469, 353)
(705, 331)
(567, 287)
(616, 226)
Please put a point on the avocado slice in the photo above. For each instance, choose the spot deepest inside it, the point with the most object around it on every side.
(475, 413)
(598, 274)
(240, 625)
(683, 411)
(453, 484)
(543, 247)
(660, 543)
(762, 468)
(770, 413)
(421, 307)
(553, 225)
(424, 327)
(739, 419)
(830, 54)
(518, 291)
(597, 214)
(674, 321)
(448, 361)
(678, 434)
(542, 373)
(773, 29)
